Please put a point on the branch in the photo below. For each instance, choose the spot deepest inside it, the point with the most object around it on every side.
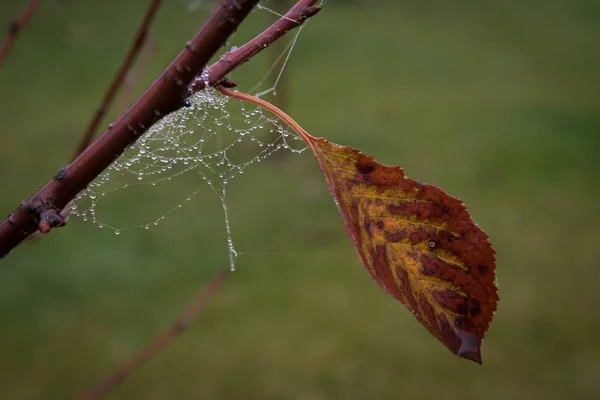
(115, 85)
(166, 94)
(15, 28)
(159, 343)
(303, 10)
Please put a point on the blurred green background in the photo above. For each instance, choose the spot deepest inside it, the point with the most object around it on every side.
(497, 102)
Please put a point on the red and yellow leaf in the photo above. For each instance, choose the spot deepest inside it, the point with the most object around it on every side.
(417, 242)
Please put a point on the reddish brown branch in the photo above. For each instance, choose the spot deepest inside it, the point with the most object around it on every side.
(15, 28)
(115, 85)
(303, 10)
(165, 94)
(159, 343)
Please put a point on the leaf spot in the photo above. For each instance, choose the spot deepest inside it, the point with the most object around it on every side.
(475, 310)
(365, 168)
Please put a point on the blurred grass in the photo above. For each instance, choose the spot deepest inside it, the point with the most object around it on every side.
(496, 102)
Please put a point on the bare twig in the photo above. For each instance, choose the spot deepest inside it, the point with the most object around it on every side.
(303, 10)
(159, 342)
(135, 48)
(166, 94)
(15, 28)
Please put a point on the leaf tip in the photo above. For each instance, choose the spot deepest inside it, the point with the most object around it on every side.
(470, 346)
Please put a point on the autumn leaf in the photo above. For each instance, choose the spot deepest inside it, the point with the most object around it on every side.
(416, 241)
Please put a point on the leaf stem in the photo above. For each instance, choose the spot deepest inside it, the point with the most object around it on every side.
(307, 137)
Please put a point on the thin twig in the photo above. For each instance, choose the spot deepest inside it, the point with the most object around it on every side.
(165, 95)
(15, 28)
(160, 342)
(115, 85)
(295, 17)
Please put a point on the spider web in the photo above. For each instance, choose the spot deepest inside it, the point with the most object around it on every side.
(209, 143)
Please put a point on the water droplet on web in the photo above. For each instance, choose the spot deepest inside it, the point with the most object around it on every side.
(201, 140)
